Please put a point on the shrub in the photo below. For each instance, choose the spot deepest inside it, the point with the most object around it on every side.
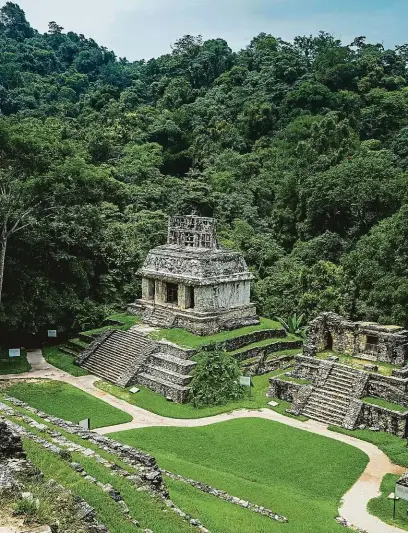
(215, 380)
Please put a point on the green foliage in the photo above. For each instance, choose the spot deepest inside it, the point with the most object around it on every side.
(215, 380)
(298, 149)
(151, 401)
(293, 324)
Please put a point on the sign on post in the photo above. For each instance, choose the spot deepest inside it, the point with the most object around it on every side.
(246, 382)
(52, 333)
(14, 352)
(401, 491)
(85, 424)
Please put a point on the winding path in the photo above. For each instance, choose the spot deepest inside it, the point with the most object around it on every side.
(354, 504)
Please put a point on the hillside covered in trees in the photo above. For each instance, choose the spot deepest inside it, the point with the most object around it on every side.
(300, 150)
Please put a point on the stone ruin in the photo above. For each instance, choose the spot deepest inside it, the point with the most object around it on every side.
(193, 283)
(11, 454)
(365, 340)
(332, 391)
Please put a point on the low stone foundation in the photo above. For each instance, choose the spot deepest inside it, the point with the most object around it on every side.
(267, 350)
(384, 419)
(236, 343)
(283, 390)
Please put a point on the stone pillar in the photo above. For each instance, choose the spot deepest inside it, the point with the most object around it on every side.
(185, 296)
(182, 296)
(160, 289)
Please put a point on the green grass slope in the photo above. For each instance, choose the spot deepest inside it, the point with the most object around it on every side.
(67, 402)
(298, 474)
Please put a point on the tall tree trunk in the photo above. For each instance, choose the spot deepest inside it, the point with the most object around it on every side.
(3, 244)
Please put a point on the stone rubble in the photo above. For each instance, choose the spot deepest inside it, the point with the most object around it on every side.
(227, 497)
(145, 479)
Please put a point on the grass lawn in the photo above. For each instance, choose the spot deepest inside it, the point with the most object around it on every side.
(62, 361)
(384, 369)
(268, 342)
(387, 405)
(291, 379)
(128, 322)
(155, 403)
(382, 507)
(189, 340)
(150, 512)
(67, 402)
(16, 365)
(391, 445)
(298, 474)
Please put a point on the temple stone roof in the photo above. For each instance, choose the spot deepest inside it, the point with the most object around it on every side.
(192, 255)
(195, 266)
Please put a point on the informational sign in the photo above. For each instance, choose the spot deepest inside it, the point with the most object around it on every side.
(401, 491)
(245, 381)
(52, 333)
(86, 424)
(134, 390)
(14, 352)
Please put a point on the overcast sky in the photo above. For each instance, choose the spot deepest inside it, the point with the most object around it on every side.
(139, 29)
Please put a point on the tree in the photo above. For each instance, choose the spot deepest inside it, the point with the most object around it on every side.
(215, 380)
(16, 214)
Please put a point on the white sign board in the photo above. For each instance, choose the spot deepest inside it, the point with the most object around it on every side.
(245, 380)
(14, 352)
(134, 390)
(52, 333)
(401, 491)
(86, 424)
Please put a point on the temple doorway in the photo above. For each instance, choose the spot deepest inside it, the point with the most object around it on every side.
(171, 293)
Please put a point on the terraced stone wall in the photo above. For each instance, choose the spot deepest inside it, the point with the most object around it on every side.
(230, 345)
(374, 416)
(266, 350)
(284, 390)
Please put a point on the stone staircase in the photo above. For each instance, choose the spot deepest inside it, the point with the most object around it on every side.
(330, 402)
(118, 358)
(167, 371)
(159, 317)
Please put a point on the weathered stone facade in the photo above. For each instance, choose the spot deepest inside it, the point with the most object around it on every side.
(366, 340)
(338, 391)
(194, 284)
(10, 443)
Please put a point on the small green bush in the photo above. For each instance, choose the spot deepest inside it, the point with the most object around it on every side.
(215, 380)
(27, 506)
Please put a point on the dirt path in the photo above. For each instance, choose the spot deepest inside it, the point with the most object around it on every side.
(354, 505)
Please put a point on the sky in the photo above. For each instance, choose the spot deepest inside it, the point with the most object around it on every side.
(142, 29)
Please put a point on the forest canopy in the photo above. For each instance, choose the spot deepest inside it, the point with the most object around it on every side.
(299, 149)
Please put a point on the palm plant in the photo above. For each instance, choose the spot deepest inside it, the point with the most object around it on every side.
(293, 325)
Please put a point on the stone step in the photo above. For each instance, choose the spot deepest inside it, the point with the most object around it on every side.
(67, 350)
(333, 396)
(170, 362)
(340, 379)
(322, 411)
(332, 383)
(120, 357)
(105, 374)
(326, 408)
(321, 417)
(168, 375)
(86, 338)
(177, 393)
(94, 363)
(344, 371)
